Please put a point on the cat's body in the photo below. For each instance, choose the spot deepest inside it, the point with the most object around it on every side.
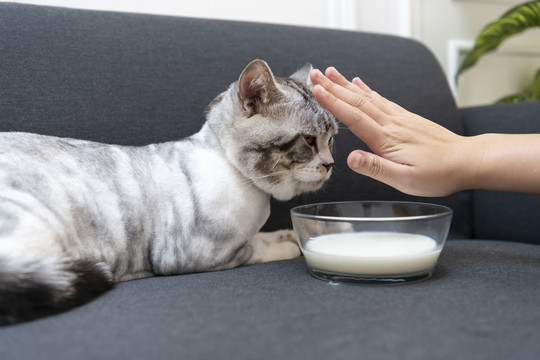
(77, 216)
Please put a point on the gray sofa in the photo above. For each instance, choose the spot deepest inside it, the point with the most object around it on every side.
(136, 79)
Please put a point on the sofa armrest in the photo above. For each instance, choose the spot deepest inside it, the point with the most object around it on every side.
(502, 215)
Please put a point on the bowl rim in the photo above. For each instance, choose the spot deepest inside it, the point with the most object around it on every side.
(445, 211)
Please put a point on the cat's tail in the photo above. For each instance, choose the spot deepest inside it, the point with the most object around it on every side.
(33, 288)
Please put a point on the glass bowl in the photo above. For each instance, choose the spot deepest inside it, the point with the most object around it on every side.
(365, 242)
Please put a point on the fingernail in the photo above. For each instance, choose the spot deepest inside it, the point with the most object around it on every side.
(362, 85)
(316, 75)
(329, 70)
(320, 88)
(356, 161)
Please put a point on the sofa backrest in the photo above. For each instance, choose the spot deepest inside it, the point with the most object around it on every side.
(136, 79)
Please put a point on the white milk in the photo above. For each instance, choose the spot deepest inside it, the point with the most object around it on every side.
(372, 253)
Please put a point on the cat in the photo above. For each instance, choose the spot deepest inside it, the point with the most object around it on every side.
(78, 216)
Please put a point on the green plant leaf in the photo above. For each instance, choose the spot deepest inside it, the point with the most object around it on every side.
(516, 20)
(532, 92)
(510, 99)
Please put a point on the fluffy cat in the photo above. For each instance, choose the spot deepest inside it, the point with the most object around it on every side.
(78, 216)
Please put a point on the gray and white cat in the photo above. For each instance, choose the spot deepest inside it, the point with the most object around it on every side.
(77, 216)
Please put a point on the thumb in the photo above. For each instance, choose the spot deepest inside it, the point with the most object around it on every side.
(376, 167)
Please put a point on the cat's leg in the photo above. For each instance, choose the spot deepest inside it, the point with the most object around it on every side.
(272, 246)
(263, 247)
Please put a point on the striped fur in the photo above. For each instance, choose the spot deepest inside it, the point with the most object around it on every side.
(78, 216)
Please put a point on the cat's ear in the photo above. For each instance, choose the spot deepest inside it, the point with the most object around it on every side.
(256, 87)
(302, 75)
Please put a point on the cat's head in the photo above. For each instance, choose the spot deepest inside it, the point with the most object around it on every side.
(274, 131)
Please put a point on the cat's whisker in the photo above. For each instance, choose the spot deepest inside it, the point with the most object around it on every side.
(247, 182)
(275, 173)
(272, 174)
(277, 162)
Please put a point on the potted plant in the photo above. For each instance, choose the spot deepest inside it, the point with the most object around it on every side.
(516, 20)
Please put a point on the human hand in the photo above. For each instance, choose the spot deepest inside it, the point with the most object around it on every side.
(410, 153)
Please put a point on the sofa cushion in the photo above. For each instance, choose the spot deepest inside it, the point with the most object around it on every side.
(482, 303)
(135, 79)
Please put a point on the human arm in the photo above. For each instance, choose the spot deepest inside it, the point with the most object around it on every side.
(420, 157)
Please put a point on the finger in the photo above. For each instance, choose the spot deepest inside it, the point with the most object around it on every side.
(339, 83)
(389, 106)
(335, 76)
(376, 167)
(362, 85)
(359, 86)
(357, 121)
(358, 99)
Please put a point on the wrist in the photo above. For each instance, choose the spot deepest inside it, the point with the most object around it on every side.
(471, 169)
(502, 162)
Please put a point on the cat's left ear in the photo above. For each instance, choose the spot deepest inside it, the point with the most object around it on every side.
(256, 87)
(302, 75)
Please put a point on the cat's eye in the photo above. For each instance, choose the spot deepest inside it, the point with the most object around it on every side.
(310, 139)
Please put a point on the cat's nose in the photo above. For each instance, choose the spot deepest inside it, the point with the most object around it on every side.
(328, 166)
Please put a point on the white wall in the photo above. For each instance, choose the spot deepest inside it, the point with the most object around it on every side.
(298, 12)
(447, 27)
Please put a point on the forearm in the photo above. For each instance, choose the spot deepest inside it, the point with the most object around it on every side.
(503, 162)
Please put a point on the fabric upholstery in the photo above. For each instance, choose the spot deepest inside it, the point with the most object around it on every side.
(136, 79)
(474, 307)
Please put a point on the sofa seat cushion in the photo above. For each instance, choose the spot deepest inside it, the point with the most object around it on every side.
(481, 303)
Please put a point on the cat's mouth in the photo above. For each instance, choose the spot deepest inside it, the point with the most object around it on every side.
(312, 185)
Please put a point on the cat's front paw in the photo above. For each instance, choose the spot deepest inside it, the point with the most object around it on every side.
(277, 245)
(288, 240)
